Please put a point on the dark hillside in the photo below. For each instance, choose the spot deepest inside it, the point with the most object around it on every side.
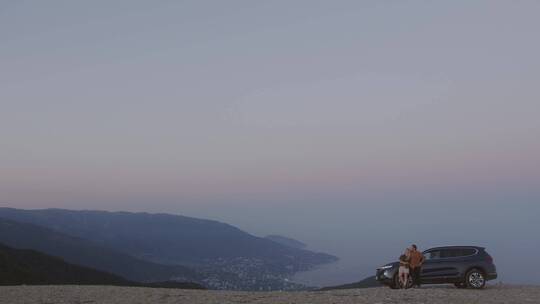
(30, 267)
(289, 242)
(18, 266)
(365, 283)
(86, 253)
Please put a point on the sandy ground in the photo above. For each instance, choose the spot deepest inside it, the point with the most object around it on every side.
(127, 295)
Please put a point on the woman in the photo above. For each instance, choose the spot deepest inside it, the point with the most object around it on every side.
(404, 268)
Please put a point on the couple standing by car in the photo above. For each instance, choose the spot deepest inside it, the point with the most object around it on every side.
(410, 266)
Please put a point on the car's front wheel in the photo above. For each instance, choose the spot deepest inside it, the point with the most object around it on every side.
(396, 284)
(475, 279)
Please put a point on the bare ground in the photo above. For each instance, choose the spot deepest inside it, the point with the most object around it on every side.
(130, 295)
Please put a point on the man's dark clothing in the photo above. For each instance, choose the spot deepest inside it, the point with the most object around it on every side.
(416, 260)
(415, 275)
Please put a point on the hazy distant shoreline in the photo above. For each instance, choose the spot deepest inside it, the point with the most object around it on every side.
(493, 294)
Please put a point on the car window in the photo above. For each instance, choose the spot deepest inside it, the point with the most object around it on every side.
(468, 252)
(451, 253)
(432, 255)
(447, 253)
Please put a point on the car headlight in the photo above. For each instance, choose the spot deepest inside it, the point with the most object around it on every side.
(386, 267)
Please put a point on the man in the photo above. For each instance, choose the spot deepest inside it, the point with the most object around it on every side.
(415, 263)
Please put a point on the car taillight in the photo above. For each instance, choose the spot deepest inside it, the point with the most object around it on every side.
(489, 259)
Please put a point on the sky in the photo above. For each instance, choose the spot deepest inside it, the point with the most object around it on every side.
(356, 126)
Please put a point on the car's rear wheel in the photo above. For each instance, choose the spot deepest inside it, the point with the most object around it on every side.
(475, 279)
(460, 285)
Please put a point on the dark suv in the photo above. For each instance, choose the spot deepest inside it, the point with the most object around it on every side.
(464, 266)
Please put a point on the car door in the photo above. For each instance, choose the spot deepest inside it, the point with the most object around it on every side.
(440, 265)
(431, 269)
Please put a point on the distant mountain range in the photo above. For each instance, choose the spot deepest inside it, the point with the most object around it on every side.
(29, 267)
(286, 241)
(159, 247)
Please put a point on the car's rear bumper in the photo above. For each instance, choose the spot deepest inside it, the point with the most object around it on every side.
(491, 271)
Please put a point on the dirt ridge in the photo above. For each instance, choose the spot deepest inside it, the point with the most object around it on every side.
(493, 294)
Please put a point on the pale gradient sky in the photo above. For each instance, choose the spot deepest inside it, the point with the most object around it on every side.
(314, 119)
